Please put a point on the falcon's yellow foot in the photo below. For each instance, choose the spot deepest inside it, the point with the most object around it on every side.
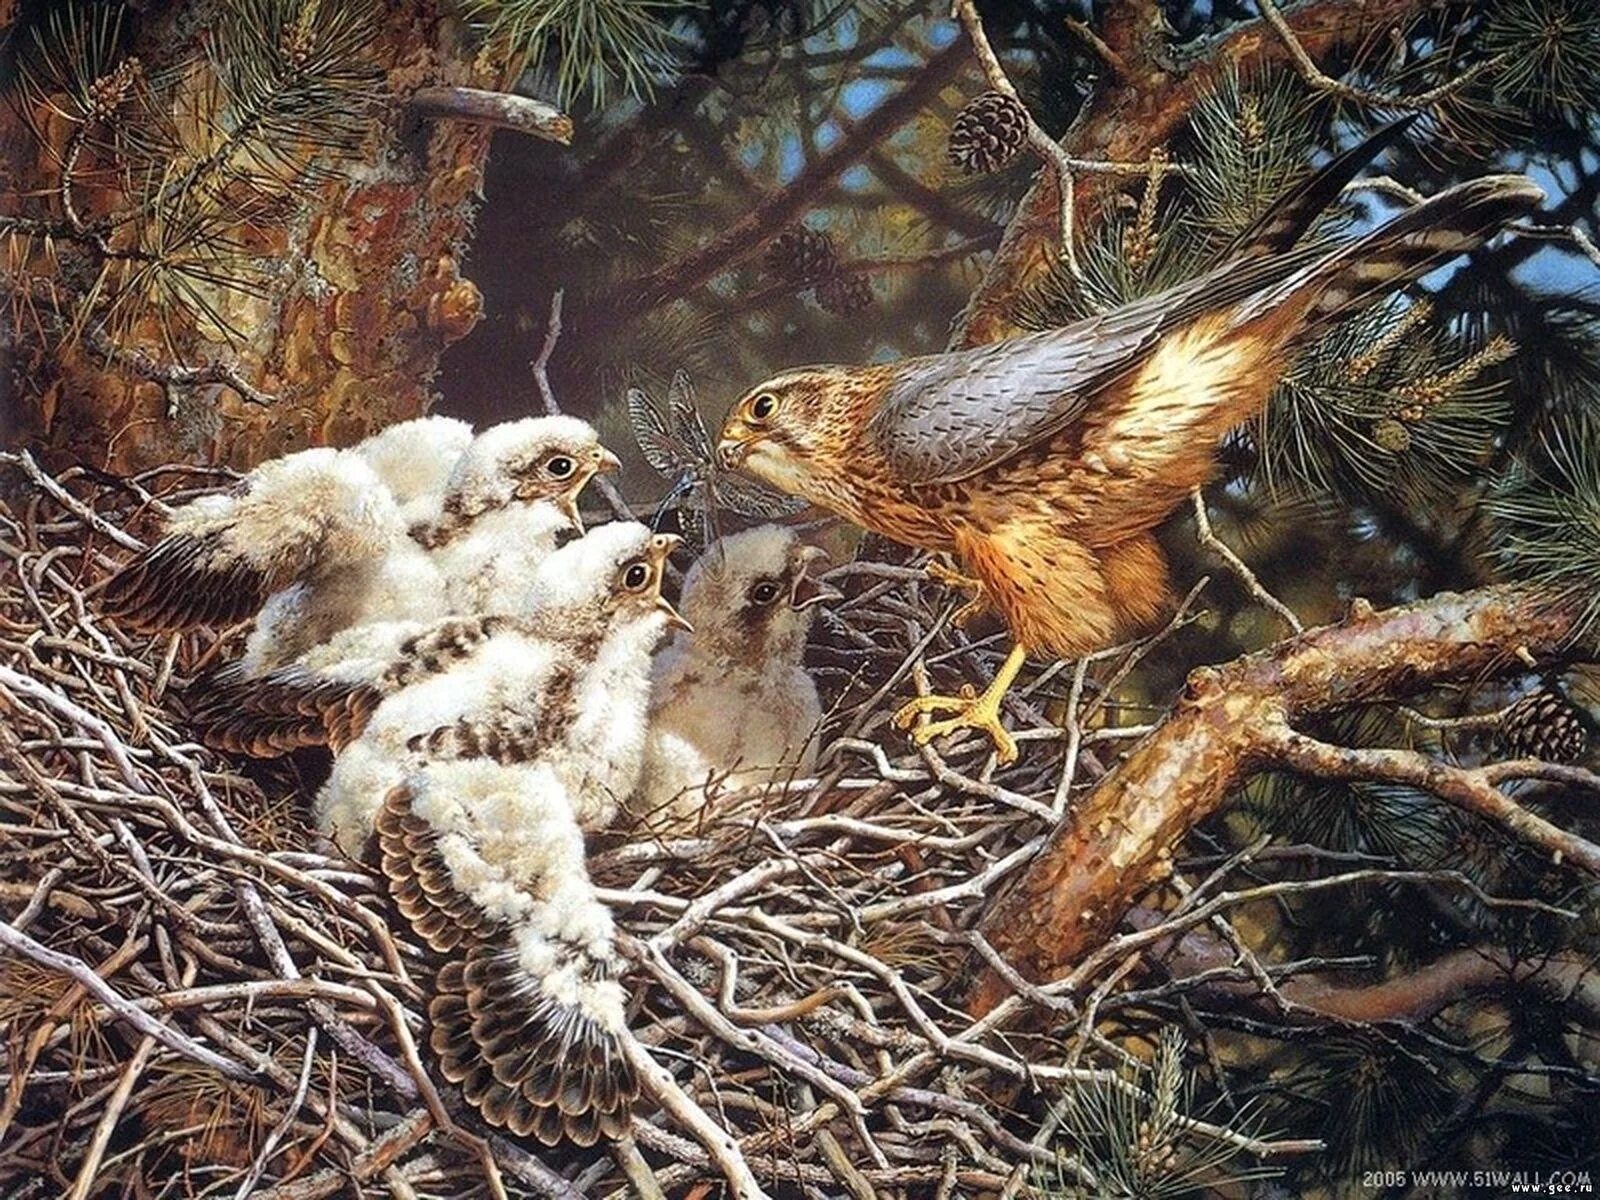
(971, 710)
(950, 577)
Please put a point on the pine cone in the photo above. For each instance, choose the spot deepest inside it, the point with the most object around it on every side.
(843, 295)
(988, 133)
(1543, 725)
(1391, 435)
(802, 255)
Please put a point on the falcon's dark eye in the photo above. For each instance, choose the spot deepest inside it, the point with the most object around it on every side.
(636, 576)
(764, 593)
(763, 406)
(560, 466)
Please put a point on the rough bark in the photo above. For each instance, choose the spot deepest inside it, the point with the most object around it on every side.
(1139, 108)
(1234, 721)
(350, 343)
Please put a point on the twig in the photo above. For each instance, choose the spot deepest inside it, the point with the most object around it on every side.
(1322, 82)
(541, 377)
(498, 110)
(1468, 789)
(718, 1143)
(1213, 543)
(80, 973)
(1046, 147)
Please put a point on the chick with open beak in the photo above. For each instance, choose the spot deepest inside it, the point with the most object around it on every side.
(733, 707)
(489, 560)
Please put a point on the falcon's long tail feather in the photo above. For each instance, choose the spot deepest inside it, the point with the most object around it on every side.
(526, 1018)
(1287, 218)
(1453, 223)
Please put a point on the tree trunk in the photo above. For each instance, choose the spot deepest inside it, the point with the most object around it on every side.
(344, 340)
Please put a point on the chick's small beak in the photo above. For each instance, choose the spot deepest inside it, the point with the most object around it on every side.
(567, 502)
(661, 547)
(675, 619)
(807, 588)
(606, 461)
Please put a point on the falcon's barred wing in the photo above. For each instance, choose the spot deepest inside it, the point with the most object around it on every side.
(282, 711)
(186, 580)
(953, 415)
(1286, 219)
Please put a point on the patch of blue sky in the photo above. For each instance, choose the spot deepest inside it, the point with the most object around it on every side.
(791, 157)
(861, 96)
(890, 57)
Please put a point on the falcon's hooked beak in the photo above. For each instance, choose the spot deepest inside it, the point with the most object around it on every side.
(661, 547)
(600, 460)
(807, 588)
(731, 451)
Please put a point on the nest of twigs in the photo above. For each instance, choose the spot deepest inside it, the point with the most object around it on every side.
(198, 999)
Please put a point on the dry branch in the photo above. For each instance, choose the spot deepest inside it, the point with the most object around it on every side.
(498, 110)
(1234, 721)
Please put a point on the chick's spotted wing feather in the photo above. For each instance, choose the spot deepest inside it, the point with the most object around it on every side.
(538, 1060)
(419, 879)
(330, 704)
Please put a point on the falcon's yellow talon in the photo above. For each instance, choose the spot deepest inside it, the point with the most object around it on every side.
(971, 710)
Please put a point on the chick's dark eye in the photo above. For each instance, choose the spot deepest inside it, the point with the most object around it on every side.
(763, 406)
(560, 466)
(636, 576)
(764, 592)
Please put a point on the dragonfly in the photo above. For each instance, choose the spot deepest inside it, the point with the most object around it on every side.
(675, 442)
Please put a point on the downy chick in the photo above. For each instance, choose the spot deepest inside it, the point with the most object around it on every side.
(568, 685)
(732, 704)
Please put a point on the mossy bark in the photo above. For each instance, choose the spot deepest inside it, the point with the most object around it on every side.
(367, 290)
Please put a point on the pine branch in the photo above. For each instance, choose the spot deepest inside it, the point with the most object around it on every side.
(1411, 997)
(677, 279)
(1319, 81)
(1232, 723)
(1139, 110)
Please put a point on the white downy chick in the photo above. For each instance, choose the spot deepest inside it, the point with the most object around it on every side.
(485, 860)
(317, 532)
(510, 498)
(568, 685)
(414, 460)
(733, 706)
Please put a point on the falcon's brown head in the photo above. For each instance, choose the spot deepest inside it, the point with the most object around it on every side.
(798, 431)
